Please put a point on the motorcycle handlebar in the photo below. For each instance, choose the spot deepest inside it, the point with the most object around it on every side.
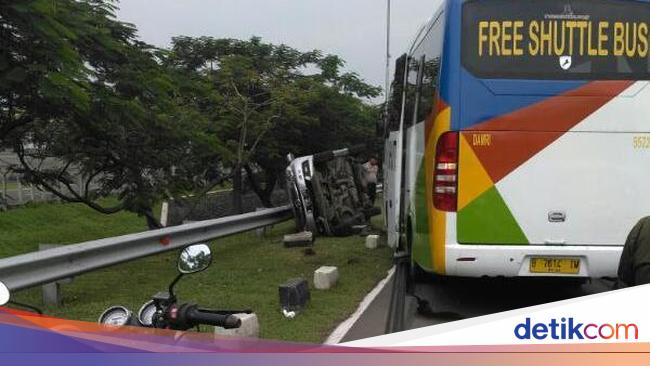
(196, 316)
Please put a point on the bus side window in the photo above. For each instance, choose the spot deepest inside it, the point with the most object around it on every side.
(417, 116)
(431, 72)
(411, 91)
(429, 87)
(395, 100)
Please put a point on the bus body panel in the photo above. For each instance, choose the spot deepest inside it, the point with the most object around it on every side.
(418, 213)
(514, 261)
(545, 186)
(390, 190)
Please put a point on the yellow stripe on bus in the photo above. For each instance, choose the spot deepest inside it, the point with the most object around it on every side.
(473, 179)
(437, 219)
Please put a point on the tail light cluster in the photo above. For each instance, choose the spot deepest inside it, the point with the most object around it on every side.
(445, 184)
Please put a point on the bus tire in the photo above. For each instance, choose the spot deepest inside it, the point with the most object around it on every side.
(417, 274)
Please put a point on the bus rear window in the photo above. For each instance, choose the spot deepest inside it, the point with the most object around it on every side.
(557, 39)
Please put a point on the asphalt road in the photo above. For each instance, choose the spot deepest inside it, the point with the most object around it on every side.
(455, 299)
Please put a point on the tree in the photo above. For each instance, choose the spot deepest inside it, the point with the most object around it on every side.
(271, 106)
(80, 96)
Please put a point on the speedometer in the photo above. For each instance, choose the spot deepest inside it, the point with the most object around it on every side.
(116, 316)
(146, 313)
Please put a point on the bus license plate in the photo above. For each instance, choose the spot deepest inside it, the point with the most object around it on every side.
(555, 265)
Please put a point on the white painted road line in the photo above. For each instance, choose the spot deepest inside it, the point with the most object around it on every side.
(339, 333)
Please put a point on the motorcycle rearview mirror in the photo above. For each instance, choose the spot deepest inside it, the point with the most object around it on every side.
(4, 294)
(195, 258)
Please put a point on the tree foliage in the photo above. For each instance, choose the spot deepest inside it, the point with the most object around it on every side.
(276, 100)
(81, 96)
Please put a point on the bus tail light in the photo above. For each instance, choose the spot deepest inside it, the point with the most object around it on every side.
(445, 184)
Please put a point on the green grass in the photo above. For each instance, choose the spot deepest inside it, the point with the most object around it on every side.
(23, 229)
(245, 273)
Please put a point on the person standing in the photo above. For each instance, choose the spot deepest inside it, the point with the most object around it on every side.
(371, 169)
(634, 266)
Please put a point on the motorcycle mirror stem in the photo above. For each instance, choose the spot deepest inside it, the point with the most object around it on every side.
(173, 284)
(5, 299)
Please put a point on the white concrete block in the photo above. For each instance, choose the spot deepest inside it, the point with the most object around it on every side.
(372, 241)
(164, 213)
(326, 277)
(250, 327)
(303, 239)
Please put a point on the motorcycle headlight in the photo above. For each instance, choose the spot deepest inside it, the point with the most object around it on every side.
(116, 316)
(146, 314)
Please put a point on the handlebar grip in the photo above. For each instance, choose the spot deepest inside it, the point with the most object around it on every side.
(196, 316)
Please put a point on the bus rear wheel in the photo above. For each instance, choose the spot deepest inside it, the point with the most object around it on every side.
(417, 274)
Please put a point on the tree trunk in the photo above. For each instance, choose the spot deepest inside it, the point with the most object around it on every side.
(237, 181)
(237, 190)
(265, 194)
(152, 221)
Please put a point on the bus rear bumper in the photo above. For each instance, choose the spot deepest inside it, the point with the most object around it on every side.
(515, 261)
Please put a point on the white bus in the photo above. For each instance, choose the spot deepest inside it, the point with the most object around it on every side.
(518, 138)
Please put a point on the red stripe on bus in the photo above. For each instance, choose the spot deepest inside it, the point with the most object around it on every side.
(554, 117)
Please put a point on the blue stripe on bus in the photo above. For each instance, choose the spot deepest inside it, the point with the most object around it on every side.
(481, 103)
(450, 77)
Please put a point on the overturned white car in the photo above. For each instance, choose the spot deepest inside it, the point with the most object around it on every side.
(328, 194)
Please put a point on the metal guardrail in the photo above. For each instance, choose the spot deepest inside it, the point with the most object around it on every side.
(38, 268)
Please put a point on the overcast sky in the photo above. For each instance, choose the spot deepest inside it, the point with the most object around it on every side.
(352, 29)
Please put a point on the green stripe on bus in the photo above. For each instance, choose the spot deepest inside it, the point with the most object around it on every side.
(421, 247)
(488, 220)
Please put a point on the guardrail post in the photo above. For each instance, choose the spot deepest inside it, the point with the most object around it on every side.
(52, 294)
(52, 291)
(261, 232)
